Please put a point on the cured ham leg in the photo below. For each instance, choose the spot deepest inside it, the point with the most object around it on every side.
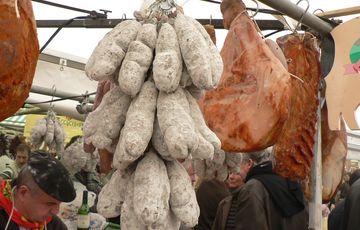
(294, 149)
(248, 108)
(334, 151)
(19, 50)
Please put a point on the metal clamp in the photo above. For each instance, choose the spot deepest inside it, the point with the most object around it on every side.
(105, 11)
(84, 107)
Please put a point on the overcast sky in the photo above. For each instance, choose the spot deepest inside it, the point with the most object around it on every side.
(80, 42)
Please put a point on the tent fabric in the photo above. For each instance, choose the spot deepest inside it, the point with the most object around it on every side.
(15, 121)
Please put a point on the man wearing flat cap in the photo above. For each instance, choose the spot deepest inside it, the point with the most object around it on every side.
(32, 201)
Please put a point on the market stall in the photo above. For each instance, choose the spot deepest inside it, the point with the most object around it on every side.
(164, 96)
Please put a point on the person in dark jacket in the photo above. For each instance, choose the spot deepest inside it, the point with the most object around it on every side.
(31, 201)
(268, 201)
(336, 216)
(351, 220)
(344, 188)
(225, 216)
(209, 194)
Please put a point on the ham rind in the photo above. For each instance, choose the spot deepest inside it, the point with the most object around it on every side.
(250, 105)
(294, 149)
(334, 151)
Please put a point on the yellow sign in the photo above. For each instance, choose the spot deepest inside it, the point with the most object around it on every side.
(71, 126)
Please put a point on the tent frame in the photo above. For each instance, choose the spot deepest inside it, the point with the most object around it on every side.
(286, 7)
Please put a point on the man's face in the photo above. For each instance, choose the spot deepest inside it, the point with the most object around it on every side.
(21, 158)
(38, 206)
(237, 179)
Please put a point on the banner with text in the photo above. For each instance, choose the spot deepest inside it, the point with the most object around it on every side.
(71, 126)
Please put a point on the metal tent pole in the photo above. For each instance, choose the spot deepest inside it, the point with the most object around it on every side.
(111, 23)
(57, 93)
(92, 13)
(59, 109)
(315, 210)
(294, 11)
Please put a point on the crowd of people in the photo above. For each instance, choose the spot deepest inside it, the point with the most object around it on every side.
(34, 183)
(258, 199)
(32, 199)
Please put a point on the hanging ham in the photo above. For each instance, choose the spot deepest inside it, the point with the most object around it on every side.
(294, 149)
(334, 151)
(248, 108)
(19, 51)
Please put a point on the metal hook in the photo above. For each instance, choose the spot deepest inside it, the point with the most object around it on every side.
(257, 9)
(303, 15)
(321, 10)
(53, 88)
(172, 3)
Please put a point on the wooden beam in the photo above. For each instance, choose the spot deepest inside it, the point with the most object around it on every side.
(340, 12)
